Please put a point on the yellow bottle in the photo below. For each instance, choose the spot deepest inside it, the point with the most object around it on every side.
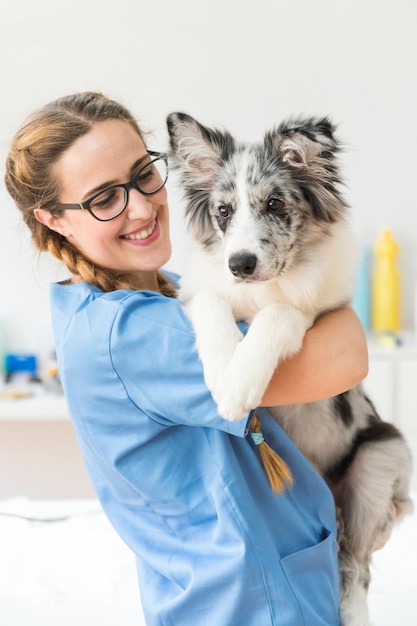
(386, 285)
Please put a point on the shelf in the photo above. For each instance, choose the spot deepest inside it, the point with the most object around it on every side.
(42, 405)
(406, 348)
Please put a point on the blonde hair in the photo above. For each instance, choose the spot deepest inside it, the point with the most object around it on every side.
(31, 182)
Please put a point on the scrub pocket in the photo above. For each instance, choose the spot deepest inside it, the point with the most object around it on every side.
(313, 575)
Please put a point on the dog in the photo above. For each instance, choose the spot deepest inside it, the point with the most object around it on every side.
(272, 244)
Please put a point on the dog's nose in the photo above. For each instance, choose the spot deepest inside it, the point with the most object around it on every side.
(242, 264)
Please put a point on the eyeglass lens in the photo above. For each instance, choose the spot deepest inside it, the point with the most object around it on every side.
(111, 202)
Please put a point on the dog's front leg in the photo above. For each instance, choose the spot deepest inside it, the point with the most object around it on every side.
(217, 333)
(275, 333)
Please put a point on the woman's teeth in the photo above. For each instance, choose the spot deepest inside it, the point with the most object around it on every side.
(143, 234)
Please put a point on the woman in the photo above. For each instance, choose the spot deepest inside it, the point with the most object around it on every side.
(184, 488)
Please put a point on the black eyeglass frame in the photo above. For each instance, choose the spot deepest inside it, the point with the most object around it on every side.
(131, 184)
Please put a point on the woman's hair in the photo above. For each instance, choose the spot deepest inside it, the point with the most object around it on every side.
(31, 182)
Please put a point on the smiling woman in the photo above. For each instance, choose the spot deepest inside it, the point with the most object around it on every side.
(184, 488)
(94, 169)
(98, 149)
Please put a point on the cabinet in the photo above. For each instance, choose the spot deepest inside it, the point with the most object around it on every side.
(39, 455)
(392, 386)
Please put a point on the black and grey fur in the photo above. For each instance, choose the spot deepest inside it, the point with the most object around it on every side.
(272, 245)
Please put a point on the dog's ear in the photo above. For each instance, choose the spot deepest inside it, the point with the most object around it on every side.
(197, 153)
(303, 142)
(308, 148)
(197, 150)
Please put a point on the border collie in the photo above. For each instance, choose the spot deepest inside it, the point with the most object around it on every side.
(272, 245)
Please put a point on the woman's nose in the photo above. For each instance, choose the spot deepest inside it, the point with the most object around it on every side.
(138, 205)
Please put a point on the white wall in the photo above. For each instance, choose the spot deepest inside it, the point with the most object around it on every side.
(241, 65)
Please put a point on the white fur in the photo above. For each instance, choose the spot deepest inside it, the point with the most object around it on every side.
(280, 309)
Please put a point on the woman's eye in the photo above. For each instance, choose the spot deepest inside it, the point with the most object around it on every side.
(274, 204)
(224, 211)
(144, 174)
(106, 199)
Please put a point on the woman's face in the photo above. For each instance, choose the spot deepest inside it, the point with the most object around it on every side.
(136, 240)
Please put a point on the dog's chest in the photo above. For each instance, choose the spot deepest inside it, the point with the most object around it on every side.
(247, 299)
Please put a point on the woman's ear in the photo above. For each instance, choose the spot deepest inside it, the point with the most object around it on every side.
(53, 222)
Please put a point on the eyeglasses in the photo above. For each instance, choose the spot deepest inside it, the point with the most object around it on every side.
(111, 202)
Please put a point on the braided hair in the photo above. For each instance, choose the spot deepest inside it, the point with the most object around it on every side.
(31, 182)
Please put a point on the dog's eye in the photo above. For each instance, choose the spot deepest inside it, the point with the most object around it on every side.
(274, 204)
(224, 211)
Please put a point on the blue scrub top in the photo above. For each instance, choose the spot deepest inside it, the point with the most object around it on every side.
(183, 487)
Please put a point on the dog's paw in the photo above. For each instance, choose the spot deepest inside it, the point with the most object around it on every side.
(232, 409)
(354, 608)
(352, 619)
(242, 385)
(236, 396)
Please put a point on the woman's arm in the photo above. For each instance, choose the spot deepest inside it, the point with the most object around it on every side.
(333, 359)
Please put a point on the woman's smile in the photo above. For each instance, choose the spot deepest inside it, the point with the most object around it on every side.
(143, 234)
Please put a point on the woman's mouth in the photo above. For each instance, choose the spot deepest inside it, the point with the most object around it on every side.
(144, 233)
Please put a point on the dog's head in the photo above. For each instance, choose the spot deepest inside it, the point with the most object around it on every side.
(263, 204)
